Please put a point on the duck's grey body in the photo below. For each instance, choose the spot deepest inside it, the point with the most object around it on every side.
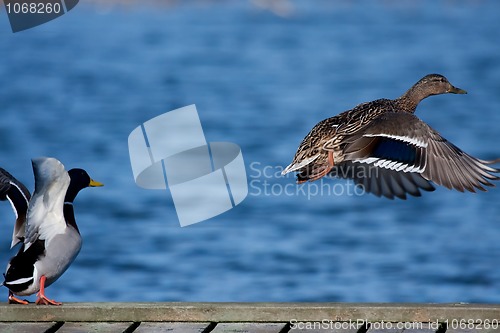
(52, 263)
(56, 260)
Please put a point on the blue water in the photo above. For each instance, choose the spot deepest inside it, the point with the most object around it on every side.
(76, 87)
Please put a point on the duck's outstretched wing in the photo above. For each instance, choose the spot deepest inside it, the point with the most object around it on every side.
(18, 195)
(383, 182)
(401, 144)
(45, 217)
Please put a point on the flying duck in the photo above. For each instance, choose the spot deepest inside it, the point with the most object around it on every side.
(389, 151)
(45, 226)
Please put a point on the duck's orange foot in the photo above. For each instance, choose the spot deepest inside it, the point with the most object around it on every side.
(14, 300)
(315, 176)
(43, 300)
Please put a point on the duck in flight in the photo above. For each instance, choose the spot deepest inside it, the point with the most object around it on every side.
(389, 151)
(45, 226)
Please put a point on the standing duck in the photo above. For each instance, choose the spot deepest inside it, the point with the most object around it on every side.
(388, 151)
(45, 225)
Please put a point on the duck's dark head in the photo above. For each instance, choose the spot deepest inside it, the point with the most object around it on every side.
(432, 84)
(80, 179)
(436, 84)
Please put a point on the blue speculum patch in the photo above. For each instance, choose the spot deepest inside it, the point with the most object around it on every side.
(395, 150)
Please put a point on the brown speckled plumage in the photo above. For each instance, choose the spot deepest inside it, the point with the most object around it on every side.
(395, 152)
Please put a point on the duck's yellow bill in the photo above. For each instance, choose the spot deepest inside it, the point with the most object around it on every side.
(93, 183)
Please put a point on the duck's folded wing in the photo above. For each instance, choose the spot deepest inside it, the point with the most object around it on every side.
(19, 273)
(45, 217)
(18, 195)
(403, 143)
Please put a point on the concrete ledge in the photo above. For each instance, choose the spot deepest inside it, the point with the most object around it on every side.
(247, 312)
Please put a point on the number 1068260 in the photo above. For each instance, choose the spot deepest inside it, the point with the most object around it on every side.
(33, 8)
(474, 324)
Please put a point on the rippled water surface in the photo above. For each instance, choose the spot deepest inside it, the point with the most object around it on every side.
(76, 87)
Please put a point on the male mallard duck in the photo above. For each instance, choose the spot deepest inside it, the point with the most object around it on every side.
(387, 150)
(45, 225)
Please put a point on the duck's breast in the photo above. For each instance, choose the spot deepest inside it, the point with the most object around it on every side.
(60, 252)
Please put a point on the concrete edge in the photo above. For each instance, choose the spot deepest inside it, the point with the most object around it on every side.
(248, 312)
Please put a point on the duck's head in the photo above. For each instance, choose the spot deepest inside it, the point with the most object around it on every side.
(436, 84)
(80, 179)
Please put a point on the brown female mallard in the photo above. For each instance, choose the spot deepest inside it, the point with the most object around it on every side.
(386, 149)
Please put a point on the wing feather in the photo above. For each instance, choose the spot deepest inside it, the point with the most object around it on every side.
(383, 182)
(422, 150)
(45, 217)
(18, 195)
